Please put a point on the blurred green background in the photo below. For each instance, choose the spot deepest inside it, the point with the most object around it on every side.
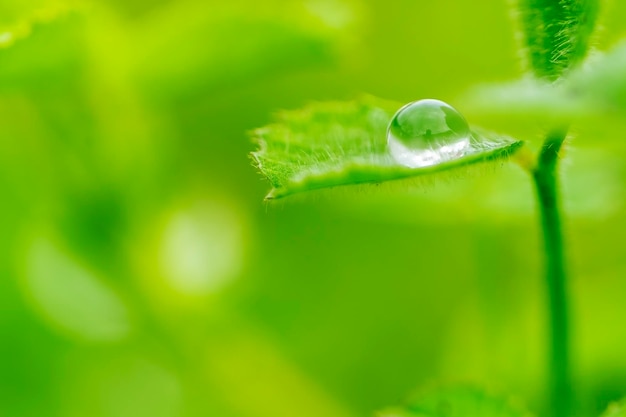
(141, 274)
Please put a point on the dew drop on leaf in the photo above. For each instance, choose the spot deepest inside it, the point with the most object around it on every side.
(427, 132)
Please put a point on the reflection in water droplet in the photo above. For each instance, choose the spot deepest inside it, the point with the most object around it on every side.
(427, 132)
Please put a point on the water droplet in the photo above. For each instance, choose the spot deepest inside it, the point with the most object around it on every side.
(427, 132)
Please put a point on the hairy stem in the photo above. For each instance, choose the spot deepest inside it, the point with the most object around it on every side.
(557, 33)
(545, 177)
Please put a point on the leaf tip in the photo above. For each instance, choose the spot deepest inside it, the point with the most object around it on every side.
(271, 195)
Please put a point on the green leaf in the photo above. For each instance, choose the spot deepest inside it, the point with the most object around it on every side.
(557, 33)
(602, 82)
(617, 409)
(344, 143)
(18, 18)
(457, 402)
(258, 45)
(598, 89)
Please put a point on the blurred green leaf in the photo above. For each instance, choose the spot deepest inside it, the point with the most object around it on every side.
(457, 402)
(602, 83)
(344, 143)
(615, 410)
(527, 97)
(72, 298)
(189, 47)
(594, 90)
(18, 18)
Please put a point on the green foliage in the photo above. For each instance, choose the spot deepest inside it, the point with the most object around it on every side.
(557, 33)
(271, 45)
(141, 274)
(602, 85)
(598, 89)
(17, 19)
(332, 144)
(326, 145)
(457, 402)
(615, 410)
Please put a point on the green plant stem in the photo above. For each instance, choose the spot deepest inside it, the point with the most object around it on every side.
(545, 177)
